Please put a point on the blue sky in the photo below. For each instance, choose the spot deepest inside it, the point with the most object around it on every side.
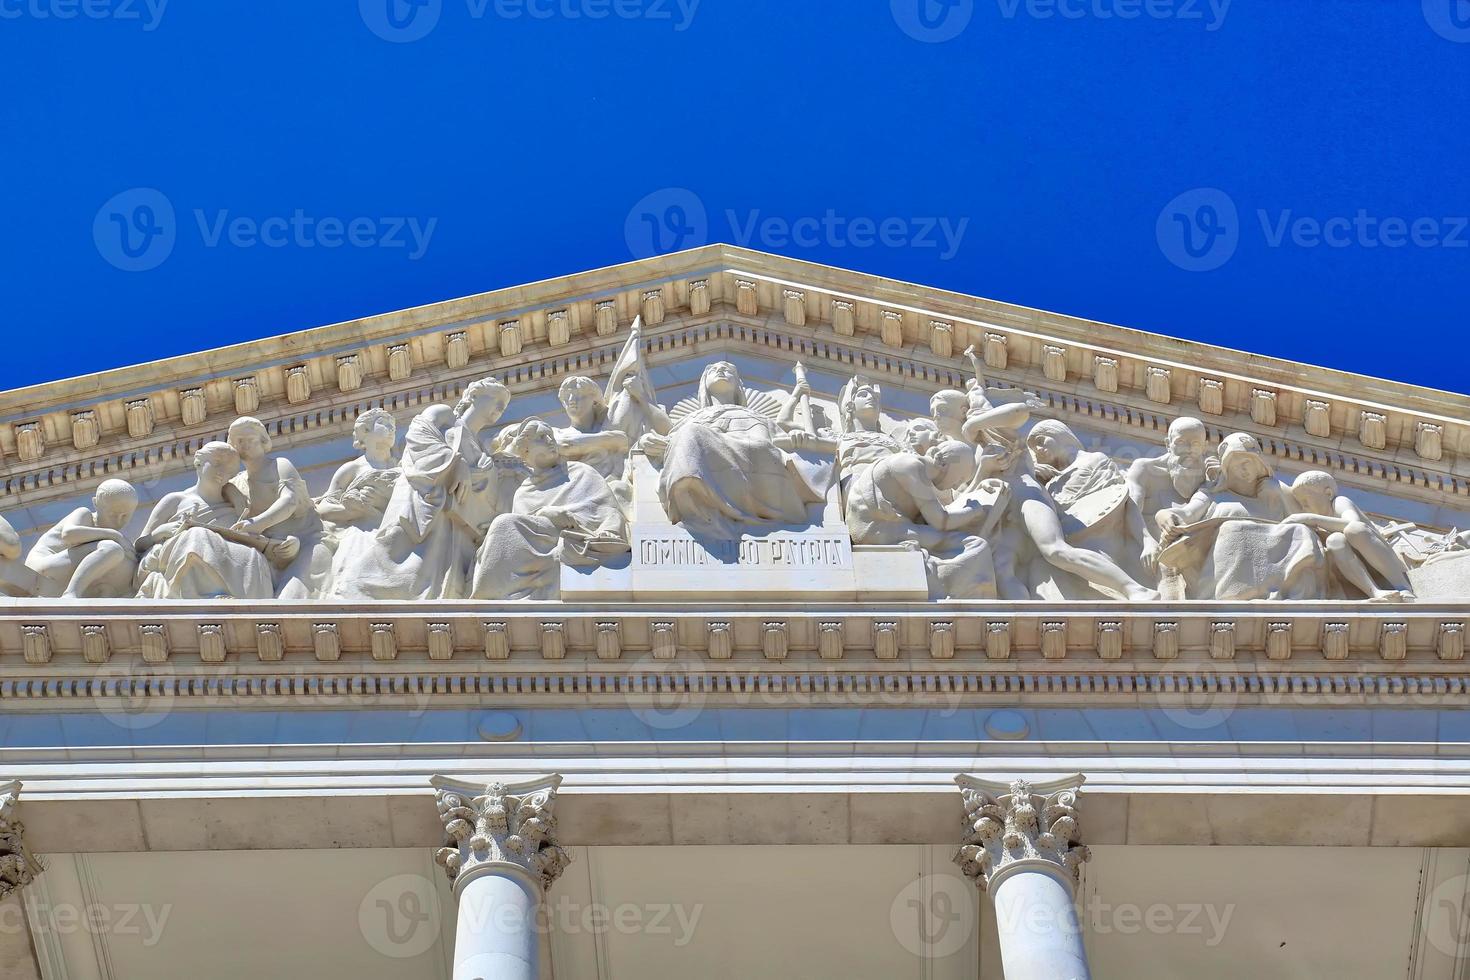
(1282, 176)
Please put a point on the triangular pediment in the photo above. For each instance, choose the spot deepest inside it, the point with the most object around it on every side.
(1394, 446)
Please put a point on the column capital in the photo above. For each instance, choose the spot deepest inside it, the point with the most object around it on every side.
(1020, 826)
(18, 867)
(500, 828)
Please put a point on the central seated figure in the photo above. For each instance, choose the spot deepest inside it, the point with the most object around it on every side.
(730, 460)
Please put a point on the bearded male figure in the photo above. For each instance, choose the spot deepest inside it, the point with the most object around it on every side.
(1157, 483)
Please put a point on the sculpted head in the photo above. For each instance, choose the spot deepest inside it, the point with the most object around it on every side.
(860, 405)
(533, 442)
(1315, 491)
(250, 438)
(582, 400)
(482, 403)
(720, 385)
(114, 504)
(953, 464)
(1185, 458)
(948, 409)
(216, 463)
(1053, 444)
(1188, 439)
(920, 435)
(1243, 464)
(375, 432)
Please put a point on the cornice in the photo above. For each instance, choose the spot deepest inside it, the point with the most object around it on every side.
(498, 643)
(63, 436)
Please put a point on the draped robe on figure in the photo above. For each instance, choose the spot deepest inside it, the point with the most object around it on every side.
(721, 462)
(437, 533)
(522, 548)
(1237, 552)
(197, 563)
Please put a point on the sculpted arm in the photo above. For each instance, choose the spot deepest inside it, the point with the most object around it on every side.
(1006, 418)
(334, 505)
(1174, 517)
(162, 523)
(287, 502)
(1137, 498)
(77, 529)
(975, 365)
(576, 444)
(10, 547)
(911, 474)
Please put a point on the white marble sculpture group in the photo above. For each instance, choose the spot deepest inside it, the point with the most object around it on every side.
(1001, 504)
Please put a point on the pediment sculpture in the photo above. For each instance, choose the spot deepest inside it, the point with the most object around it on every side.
(982, 499)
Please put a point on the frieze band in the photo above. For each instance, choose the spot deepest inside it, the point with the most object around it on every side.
(981, 500)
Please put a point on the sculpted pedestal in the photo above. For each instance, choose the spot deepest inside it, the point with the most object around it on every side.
(767, 562)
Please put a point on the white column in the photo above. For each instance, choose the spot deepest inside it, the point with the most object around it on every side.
(501, 853)
(1020, 844)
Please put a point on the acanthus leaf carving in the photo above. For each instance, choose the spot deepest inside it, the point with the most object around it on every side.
(1017, 826)
(18, 866)
(504, 826)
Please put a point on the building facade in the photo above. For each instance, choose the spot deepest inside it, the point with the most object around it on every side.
(722, 615)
